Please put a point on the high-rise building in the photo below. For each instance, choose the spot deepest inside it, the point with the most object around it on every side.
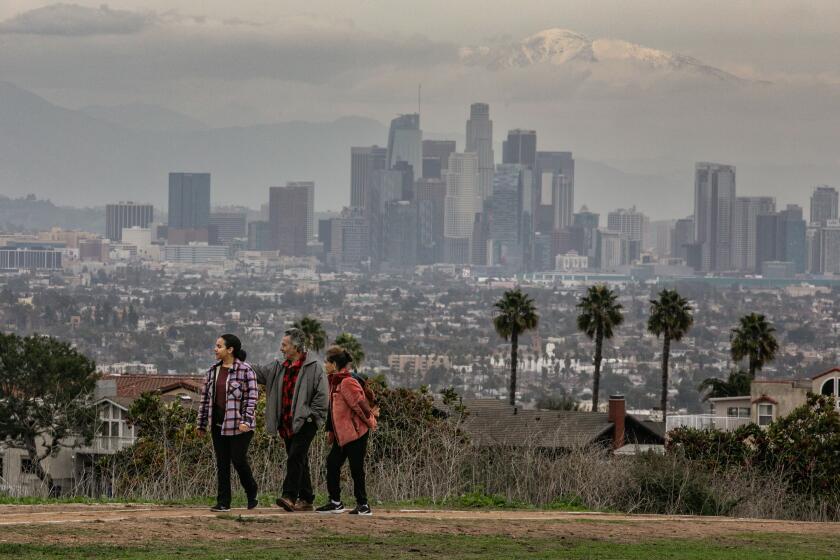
(430, 195)
(405, 169)
(824, 205)
(189, 200)
(830, 247)
(555, 176)
(405, 142)
(364, 161)
(439, 151)
(259, 236)
(681, 237)
(589, 221)
(401, 232)
(126, 215)
(794, 230)
(747, 209)
(350, 243)
(480, 141)
(610, 249)
(520, 147)
(714, 205)
(629, 224)
(781, 237)
(506, 215)
(309, 186)
(227, 226)
(459, 208)
(290, 217)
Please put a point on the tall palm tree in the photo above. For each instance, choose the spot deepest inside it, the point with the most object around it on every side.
(736, 385)
(753, 338)
(353, 346)
(598, 314)
(516, 314)
(670, 317)
(316, 337)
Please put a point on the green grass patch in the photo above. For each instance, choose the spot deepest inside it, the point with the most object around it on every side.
(410, 545)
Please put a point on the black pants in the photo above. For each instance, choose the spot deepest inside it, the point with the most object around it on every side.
(233, 449)
(298, 482)
(354, 452)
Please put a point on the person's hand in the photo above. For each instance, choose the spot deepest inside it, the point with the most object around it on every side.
(201, 432)
(243, 427)
(375, 411)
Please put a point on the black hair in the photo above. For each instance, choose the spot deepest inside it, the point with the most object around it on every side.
(232, 341)
(339, 356)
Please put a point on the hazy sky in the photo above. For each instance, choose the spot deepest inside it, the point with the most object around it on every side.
(246, 62)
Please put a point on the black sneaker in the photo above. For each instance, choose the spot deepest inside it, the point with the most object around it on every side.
(331, 507)
(219, 508)
(361, 510)
(252, 503)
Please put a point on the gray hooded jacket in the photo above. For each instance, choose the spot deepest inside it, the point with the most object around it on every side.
(311, 397)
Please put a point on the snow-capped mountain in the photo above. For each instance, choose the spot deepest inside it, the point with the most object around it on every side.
(561, 46)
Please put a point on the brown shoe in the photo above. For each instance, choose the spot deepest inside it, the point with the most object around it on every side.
(285, 503)
(303, 506)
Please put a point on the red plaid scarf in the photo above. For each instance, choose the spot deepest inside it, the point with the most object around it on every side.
(287, 395)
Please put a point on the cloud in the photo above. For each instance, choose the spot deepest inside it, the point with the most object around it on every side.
(72, 20)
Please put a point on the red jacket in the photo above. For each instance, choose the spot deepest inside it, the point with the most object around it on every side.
(351, 413)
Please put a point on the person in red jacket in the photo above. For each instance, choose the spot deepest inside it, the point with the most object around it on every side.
(349, 422)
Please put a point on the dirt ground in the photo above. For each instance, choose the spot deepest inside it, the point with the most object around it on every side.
(138, 524)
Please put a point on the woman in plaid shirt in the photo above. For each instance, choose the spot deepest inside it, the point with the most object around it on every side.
(228, 402)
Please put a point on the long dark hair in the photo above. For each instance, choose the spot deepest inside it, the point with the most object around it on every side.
(232, 341)
(339, 356)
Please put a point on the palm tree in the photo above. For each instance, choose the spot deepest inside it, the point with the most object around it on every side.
(670, 317)
(316, 337)
(353, 346)
(517, 314)
(753, 338)
(738, 384)
(599, 313)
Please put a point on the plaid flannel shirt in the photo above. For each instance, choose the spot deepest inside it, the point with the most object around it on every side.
(241, 400)
(287, 395)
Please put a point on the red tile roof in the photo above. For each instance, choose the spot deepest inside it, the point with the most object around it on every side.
(832, 370)
(132, 386)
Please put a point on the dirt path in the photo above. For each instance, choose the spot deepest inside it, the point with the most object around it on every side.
(134, 524)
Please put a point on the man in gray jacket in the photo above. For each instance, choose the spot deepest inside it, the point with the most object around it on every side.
(297, 397)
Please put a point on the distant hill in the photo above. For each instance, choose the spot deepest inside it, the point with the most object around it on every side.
(31, 214)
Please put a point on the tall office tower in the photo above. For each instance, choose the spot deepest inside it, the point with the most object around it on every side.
(259, 236)
(430, 195)
(747, 209)
(189, 200)
(768, 242)
(350, 242)
(386, 186)
(628, 223)
(830, 247)
(681, 237)
(824, 204)
(610, 249)
(405, 142)
(659, 240)
(290, 212)
(555, 212)
(363, 162)
(309, 186)
(126, 215)
(520, 147)
(507, 215)
(714, 205)
(589, 221)
(480, 141)
(227, 226)
(794, 229)
(325, 233)
(813, 250)
(439, 150)
(400, 240)
(459, 208)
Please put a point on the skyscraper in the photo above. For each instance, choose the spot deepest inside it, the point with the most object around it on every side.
(629, 224)
(480, 141)
(714, 205)
(556, 195)
(189, 200)
(259, 236)
(747, 209)
(350, 243)
(590, 222)
(459, 208)
(430, 195)
(400, 240)
(126, 215)
(681, 237)
(824, 205)
(781, 236)
(405, 142)
(506, 215)
(364, 161)
(309, 187)
(520, 147)
(227, 226)
(438, 150)
(290, 217)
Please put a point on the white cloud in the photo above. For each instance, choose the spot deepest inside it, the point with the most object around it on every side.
(72, 20)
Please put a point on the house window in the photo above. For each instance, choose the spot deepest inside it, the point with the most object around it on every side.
(828, 388)
(765, 414)
(738, 412)
(27, 466)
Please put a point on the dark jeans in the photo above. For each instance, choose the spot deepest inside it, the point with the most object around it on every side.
(298, 483)
(233, 449)
(354, 451)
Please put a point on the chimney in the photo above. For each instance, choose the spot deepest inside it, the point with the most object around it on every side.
(615, 414)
